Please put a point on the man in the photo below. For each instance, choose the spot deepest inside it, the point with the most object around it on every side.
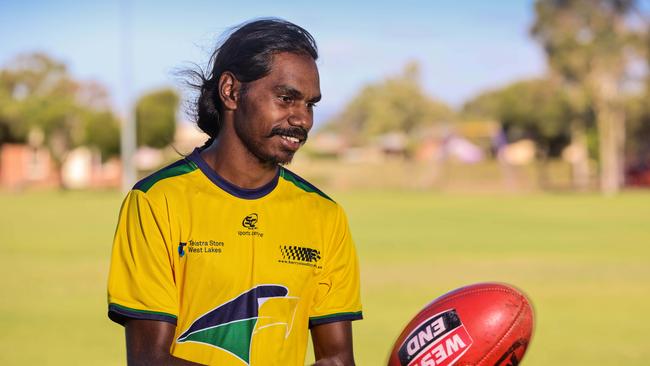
(225, 257)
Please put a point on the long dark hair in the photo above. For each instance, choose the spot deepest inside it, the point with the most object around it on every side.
(247, 52)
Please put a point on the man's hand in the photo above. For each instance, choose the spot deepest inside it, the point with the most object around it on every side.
(333, 344)
(148, 343)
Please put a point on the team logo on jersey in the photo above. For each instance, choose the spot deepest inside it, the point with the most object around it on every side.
(232, 325)
(293, 254)
(250, 221)
(439, 340)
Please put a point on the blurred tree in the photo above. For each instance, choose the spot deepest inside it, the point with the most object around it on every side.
(156, 118)
(102, 132)
(589, 45)
(38, 97)
(638, 128)
(535, 109)
(397, 104)
(36, 93)
(638, 131)
(100, 125)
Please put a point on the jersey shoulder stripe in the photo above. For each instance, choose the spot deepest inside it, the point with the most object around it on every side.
(180, 167)
(301, 183)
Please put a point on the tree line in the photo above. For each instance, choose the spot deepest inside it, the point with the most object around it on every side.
(594, 96)
(43, 105)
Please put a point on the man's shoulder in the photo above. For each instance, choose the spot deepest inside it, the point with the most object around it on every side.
(302, 186)
(172, 171)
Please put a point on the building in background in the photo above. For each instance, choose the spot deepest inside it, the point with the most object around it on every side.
(24, 166)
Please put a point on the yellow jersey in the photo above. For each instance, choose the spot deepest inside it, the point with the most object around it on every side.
(243, 274)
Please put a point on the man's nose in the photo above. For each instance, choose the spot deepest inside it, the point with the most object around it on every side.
(302, 117)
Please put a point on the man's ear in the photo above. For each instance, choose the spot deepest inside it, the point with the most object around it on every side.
(229, 89)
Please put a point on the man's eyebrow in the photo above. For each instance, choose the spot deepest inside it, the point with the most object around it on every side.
(294, 93)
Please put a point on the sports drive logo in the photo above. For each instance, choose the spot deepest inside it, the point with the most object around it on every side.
(438, 341)
(250, 221)
(232, 325)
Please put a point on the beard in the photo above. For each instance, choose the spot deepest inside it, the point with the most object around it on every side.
(259, 145)
(256, 148)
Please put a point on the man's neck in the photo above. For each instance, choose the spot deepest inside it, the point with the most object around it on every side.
(237, 165)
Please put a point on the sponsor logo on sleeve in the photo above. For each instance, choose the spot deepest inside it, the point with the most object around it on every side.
(437, 341)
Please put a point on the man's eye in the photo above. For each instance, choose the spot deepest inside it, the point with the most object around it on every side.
(285, 99)
(311, 105)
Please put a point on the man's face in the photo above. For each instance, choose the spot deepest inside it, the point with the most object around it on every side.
(275, 113)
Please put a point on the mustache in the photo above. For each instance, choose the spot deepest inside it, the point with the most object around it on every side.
(296, 131)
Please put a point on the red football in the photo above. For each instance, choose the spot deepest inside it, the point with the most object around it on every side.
(483, 324)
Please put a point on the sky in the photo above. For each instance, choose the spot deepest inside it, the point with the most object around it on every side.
(463, 46)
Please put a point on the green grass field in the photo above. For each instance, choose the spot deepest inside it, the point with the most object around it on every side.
(584, 260)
